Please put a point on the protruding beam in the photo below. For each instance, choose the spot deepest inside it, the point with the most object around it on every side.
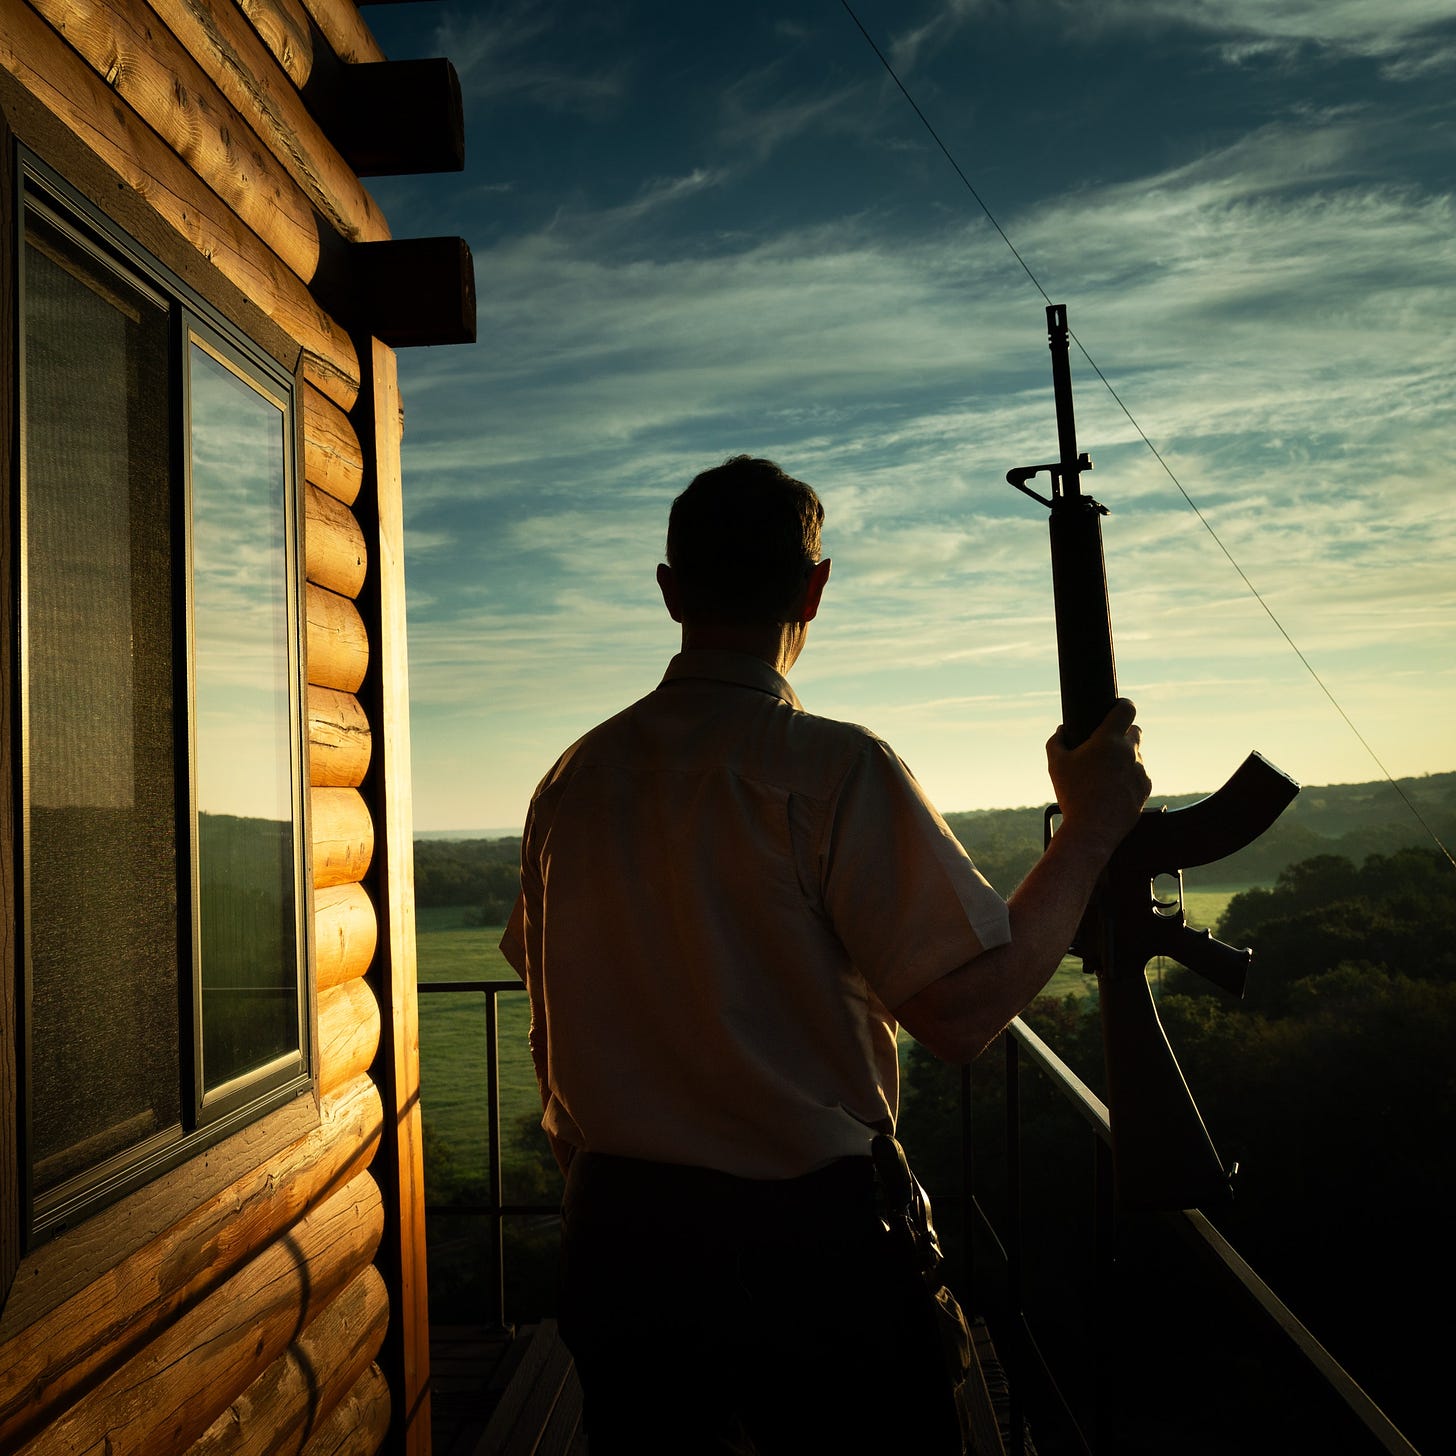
(390, 117)
(413, 291)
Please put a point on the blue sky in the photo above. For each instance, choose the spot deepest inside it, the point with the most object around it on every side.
(701, 230)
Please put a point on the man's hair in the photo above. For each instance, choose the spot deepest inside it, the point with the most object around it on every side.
(741, 540)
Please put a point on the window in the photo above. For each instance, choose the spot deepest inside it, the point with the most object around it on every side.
(164, 925)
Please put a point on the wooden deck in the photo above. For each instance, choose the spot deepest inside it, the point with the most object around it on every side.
(497, 1395)
(494, 1395)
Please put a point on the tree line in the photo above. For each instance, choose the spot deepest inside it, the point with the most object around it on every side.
(1352, 820)
(482, 874)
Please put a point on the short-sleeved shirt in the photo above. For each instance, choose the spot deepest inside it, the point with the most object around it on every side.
(723, 896)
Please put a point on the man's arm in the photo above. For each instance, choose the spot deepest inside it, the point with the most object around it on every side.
(541, 1061)
(513, 947)
(560, 1148)
(1101, 787)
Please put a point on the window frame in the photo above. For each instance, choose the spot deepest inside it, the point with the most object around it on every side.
(207, 1117)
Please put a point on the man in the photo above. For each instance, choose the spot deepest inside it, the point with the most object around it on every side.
(728, 905)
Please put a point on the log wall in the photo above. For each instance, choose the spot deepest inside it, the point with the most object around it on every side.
(272, 263)
(261, 1317)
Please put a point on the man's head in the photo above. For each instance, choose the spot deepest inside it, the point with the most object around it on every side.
(742, 545)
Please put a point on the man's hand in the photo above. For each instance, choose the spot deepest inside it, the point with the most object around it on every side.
(1101, 785)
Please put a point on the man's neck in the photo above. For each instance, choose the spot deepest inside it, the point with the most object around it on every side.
(777, 644)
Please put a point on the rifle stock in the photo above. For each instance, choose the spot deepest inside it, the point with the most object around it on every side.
(1163, 1157)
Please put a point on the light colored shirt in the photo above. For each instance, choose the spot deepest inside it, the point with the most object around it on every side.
(722, 896)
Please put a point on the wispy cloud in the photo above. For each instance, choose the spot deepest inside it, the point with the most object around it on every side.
(1274, 310)
(1357, 26)
(757, 116)
(509, 52)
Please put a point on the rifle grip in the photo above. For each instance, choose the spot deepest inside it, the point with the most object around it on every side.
(1227, 966)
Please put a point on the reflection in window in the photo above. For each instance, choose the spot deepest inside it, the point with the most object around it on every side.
(243, 709)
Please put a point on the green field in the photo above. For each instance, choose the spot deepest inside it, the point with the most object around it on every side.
(453, 1035)
(1202, 907)
(453, 1067)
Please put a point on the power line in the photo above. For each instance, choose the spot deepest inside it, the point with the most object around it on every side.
(1157, 455)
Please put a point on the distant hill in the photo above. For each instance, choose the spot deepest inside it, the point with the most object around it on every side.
(459, 834)
(482, 873)
(1354, 820)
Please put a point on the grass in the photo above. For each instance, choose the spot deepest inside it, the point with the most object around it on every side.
(453, 1067)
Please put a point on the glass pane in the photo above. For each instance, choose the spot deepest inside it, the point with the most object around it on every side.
(243, 711)
(100, 772)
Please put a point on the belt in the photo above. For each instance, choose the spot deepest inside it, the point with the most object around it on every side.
(603, 1189)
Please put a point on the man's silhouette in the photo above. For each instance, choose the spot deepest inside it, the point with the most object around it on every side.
(728, 907)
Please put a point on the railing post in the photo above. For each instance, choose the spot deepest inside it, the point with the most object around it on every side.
(1020, 1334)
(495, 1210)
(492, 1086)
(1104, 1255)
(968, 1190)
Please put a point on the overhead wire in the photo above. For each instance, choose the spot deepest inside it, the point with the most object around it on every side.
(1157, 454)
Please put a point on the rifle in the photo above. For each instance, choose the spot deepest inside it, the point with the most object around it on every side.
(1163, 1157)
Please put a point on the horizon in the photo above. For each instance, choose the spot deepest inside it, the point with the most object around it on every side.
(699, 234)
(1378, 783)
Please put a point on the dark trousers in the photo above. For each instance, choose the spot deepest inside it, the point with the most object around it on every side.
(710, 1314)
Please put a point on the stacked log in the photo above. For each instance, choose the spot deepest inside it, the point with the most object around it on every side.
(158, 1401)
(339, 739)
(346, 932)
(249, 219)
(252, 1323)
(333, 461)
(280, 1410)
(58, 1354)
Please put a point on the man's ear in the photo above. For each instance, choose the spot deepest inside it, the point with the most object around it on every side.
(818, 576)
(667, 585)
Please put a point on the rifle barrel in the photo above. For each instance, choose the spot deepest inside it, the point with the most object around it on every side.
(1085, 659)
(1057, 335)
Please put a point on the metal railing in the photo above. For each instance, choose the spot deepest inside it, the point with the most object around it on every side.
(1363, 1426)
(494, 1209)
(1328, 1392)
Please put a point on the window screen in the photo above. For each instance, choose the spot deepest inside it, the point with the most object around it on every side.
(163, 862)
(101, 872)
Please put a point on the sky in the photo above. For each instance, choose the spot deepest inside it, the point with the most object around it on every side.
(713, 229)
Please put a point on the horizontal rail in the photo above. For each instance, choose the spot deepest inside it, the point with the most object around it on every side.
(1197, 1227)
(496, 1210)
(489, 987)
(1232, 1269)
(1073, 1089)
